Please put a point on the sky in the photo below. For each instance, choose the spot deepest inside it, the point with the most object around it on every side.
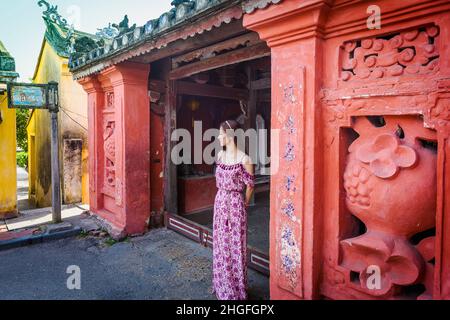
(22, 27)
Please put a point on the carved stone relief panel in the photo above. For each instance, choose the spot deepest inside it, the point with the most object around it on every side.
(391, 188)
(109, 146)
(110, 153)
(412, 52)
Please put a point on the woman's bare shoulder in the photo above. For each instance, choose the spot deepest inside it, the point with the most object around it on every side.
(248, 164)
(246, 160)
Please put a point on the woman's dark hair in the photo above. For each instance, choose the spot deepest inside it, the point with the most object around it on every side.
(231, 125)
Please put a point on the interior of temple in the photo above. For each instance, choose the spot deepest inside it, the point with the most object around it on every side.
(197, 185)
(236, 90)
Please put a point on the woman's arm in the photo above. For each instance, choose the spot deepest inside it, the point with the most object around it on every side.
(219, 156)
(250, 168)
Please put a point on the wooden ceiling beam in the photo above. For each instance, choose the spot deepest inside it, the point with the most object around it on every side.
(202, 90)
(261, 84)
(229, 58)
(212, 91)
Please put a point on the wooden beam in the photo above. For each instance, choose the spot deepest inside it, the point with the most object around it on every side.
(157, 86)
(264, 96)
(207, 90)
(229, 58)
(202, 90)
(261, 84)
(170, 169)
(252, 101)
(262, 64)
(247, 40)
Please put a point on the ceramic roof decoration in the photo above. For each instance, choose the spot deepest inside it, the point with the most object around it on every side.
(59, 34)
(183, 16)
(7, 65)
(108, 32)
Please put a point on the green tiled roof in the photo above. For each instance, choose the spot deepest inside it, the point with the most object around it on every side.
(3, 51)
(7, 65)
(183, 11)
(123, 37)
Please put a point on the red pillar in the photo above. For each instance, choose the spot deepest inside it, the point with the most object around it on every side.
(95, 99)
(291, 30)
(119, 142)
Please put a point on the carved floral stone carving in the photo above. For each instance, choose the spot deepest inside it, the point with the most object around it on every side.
(413, 52)
(110, 100)
(390, 184)
(110, 154)
(386, 156)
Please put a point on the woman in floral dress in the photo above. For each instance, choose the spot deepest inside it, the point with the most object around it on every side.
(234, 175)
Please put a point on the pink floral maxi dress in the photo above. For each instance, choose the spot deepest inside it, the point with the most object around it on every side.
(230, 232)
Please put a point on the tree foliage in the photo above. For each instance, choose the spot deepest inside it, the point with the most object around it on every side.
(22, 117)
(22, 159)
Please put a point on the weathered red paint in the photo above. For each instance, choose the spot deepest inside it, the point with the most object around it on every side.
(157, 160)
(330, 72)
(119, 131)
(196, 194)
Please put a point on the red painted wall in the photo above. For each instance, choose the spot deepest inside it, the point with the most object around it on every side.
(119, 131)
(196, 194)
(329, 73)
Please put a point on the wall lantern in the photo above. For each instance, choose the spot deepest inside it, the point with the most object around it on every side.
(194, 105)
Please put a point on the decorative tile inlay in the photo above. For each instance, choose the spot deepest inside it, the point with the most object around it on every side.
(290, 255)
(289, 203)
(290, 184)
(289, 95)
(290, 125)
(289, 209)
(289, 154)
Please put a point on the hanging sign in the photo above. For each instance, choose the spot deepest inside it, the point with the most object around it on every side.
(28, 96)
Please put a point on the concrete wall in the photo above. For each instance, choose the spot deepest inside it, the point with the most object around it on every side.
(72, 125)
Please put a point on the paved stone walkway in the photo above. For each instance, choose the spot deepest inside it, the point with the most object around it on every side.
(31, 221)
(22, 190)
(160, 265)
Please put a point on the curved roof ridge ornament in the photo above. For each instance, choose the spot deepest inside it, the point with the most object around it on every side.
(108, 32)
(176, 3)
(114, 30)
(52, 14)
(124, 27)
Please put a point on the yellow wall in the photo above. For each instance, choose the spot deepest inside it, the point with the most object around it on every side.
(8, 173)
(73, 100)
(74, 120)
(49, 69)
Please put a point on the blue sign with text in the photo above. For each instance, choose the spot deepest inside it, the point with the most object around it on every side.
(26, 96)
